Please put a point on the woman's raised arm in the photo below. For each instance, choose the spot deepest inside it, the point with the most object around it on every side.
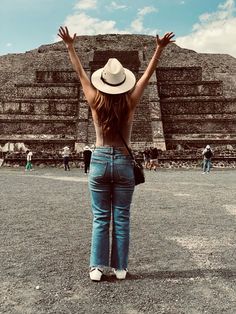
(89, 90)
(144, 79)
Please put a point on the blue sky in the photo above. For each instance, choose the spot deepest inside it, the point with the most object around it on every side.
(201, 25)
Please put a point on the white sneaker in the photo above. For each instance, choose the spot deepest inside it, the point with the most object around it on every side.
(96, 274)
(120, 273)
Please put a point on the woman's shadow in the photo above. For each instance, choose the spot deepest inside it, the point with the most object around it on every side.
(181, 274)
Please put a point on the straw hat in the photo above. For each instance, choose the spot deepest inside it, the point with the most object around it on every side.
(113, 78)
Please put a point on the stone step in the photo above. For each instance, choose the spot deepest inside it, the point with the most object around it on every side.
(198, 105)
(167, 74)
(56, 77)
(61, 107)
(189, 118)
(21, 138)
(36, 118)
(40, 90)
(38, 128)
(200, 126)
(203, 137)
(177, 89)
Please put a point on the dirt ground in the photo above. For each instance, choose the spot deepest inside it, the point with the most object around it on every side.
(182, 254)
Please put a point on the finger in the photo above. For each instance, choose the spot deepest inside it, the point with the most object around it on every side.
(171, 35)
(67, 32)
(62, 31)
(60, 35)
(74, 36)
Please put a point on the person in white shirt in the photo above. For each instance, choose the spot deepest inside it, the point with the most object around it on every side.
(28, 166)
(66, 157)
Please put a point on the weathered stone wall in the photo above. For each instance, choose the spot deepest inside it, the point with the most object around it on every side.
(194, 111)
(42, 105)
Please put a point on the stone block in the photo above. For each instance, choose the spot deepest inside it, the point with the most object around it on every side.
(84, 112)
(53, 91)
(60, 107)
(56, 77)
(41, 108)
(63, 108)
(197, 105)
(167, 74)
(11, 107)
(27, 108)
(178, 89)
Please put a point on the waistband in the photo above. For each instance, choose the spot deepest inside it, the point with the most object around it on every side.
(112, 149)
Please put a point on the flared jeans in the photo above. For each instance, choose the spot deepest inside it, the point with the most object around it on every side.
(111, 185)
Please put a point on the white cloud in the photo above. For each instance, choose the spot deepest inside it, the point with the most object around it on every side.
(215, 32)
(137, 25)
(86, 4)
(116, 6)
(146, 10)
(8, 44)
(83, 24)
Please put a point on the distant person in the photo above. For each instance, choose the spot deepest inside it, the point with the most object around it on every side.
(28, 166)
(112, 95)
(66, 158)
(153, 158)
(1, 159)
(87, 153)
(146, 158)
(207, 155)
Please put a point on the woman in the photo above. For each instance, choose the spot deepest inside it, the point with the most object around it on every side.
(112, 96)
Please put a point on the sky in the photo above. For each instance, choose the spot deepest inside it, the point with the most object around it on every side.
(207, 26)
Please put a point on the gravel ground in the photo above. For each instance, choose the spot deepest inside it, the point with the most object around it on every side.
(182, 254)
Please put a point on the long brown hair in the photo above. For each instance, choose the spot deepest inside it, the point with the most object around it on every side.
(112, 111)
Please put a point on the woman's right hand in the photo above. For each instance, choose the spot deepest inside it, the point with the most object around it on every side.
(165, 40)
(65, 36)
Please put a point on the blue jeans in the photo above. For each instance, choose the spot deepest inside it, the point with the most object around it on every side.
(111, 184)
(206, 165)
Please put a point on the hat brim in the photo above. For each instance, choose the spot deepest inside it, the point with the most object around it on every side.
(127, 85)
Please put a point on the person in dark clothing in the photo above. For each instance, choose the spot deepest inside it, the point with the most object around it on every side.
(87, 157)
(207, 155)
(153, 158)
(146, 158)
